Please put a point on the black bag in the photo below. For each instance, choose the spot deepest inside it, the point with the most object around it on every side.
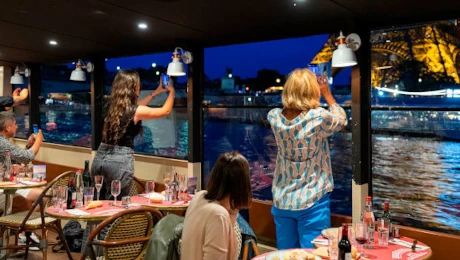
(73, 234)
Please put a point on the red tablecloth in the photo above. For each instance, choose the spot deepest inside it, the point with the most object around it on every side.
(262, 256)
(394, 251)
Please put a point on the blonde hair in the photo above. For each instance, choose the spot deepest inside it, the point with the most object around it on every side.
(301, 90)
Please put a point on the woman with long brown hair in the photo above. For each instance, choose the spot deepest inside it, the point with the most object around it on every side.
(124, 114)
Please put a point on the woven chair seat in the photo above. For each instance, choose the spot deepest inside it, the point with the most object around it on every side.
(17, 218)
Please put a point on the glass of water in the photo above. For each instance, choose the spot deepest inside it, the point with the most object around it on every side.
(384, 231)
(149, 188)
(88, 194)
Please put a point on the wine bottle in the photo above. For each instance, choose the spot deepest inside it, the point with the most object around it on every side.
(86, 175)
(71, 194)
(386, 217)
(344, 244)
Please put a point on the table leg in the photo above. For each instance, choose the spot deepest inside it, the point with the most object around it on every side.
(8, 208)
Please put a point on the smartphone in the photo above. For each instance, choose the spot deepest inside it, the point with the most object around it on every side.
(35, 129)
(165, 79)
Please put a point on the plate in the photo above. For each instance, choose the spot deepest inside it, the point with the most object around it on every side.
(329, 232)
(279, 255)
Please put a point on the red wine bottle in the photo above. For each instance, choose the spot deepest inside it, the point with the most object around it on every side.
(344, 244)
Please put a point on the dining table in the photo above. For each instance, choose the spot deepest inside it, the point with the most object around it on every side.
(397, 248)
(10, 188)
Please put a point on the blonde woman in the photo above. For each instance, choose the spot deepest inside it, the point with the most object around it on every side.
(303, 175)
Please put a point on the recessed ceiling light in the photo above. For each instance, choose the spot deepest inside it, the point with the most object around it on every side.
(142, 26)
(53, 42)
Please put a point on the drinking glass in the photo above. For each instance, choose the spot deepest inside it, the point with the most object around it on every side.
(383, 231)
(168, 179)
(98, 181)
(21, 173)
(88, 194)
(361, 236)
(62, 198)
(333, 245)
(116, 190)
(149, 187)
(55, 199)
(183, 187)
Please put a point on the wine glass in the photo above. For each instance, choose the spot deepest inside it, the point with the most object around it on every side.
(183, 187)
(98, 180)
(149, 187)
(116, 189)
(361, 235)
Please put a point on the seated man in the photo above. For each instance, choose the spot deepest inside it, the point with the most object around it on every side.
(8, 128)
(6, 102)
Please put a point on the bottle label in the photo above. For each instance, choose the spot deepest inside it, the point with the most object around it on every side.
(347, 256)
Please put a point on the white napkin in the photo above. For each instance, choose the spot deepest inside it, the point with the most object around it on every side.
(77, 212)
(320, 241)
(406, 244)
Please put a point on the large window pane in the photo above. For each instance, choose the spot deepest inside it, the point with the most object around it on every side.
(243, 82)
(65, 106)
(167, 136)
(416, 124)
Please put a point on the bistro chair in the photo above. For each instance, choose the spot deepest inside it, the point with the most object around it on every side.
(127, 237)
(31, 220)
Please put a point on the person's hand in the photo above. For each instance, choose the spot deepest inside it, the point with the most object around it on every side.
(31, 140)
(159, 89)
(24, 93)
(324, 86)
(16, 92)
(39, 136)
(170, 88)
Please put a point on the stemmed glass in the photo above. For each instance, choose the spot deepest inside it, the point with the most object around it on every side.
(183, 187)
(149, 187)
(98, 181)
(361, 235)
(116, 190)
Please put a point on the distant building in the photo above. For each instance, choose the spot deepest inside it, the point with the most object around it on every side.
(228, 85)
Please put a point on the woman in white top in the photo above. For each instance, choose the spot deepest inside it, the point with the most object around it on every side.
(208, 232)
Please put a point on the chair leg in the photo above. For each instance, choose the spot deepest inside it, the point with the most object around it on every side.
(62, 238)
(255, 248)
(44, 243)
(245, 251)
(28, 240)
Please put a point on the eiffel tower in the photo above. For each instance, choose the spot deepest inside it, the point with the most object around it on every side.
(435, 47)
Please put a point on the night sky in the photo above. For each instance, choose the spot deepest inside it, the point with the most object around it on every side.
(245, 59)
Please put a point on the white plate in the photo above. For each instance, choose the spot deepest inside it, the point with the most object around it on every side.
(326, 232)
(280, 255)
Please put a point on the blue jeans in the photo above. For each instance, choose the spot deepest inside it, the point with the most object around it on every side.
(114, 163)
(297, 228)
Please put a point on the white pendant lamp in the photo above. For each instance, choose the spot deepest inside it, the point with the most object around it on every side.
(17, 77)
(176, 67)
(78, 74)
(344, 55)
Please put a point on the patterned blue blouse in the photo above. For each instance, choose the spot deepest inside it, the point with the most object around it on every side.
(303, 166)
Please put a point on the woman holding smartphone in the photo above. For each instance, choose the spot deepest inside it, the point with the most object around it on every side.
(303, 175)
(124, 114)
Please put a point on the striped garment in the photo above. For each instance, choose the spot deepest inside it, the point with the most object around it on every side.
(303, 166)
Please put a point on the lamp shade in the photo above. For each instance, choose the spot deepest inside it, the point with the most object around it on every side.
(343, 57)
(78, 75)
(17, 79)
(176, 68)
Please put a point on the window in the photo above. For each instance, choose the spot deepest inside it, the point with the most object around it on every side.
(416, 124)
(65, 106)
(242, 84)
(166, 136)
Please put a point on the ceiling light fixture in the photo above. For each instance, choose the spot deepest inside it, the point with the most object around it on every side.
(53, 42)
(78, 74)
(142, 26)
(17, 77)
(344, 55)
(176, 68)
